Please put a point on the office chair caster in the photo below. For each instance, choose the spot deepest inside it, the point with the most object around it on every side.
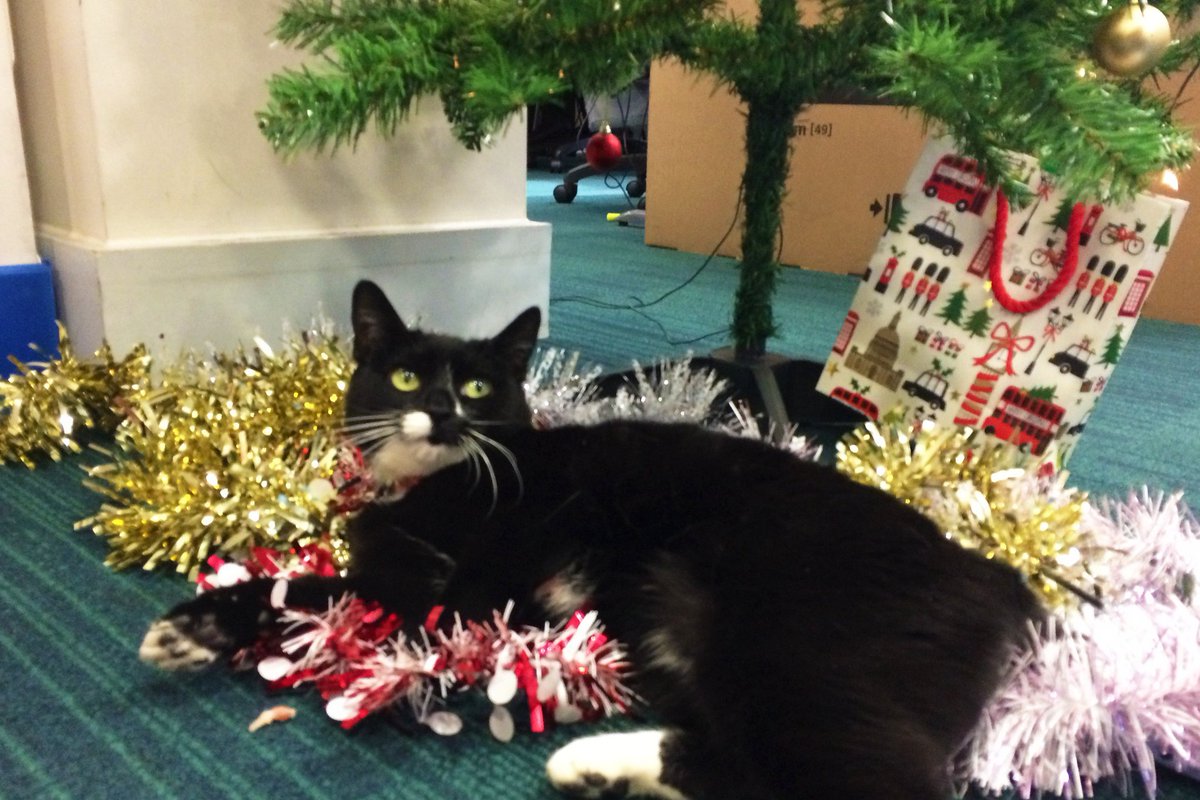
(565, 192)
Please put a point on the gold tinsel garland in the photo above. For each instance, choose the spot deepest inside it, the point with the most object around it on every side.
(234, 451)
(985, 495)
(226, 454)
(218, 455)
(49, 405)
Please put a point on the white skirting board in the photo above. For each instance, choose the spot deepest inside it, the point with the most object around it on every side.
(174, 296)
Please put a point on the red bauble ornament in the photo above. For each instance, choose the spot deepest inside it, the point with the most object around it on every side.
(603, 150)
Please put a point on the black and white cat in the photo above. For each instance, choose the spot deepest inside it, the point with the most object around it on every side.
(800, 635)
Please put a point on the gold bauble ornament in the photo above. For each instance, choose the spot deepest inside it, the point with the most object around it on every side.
(1131, 40)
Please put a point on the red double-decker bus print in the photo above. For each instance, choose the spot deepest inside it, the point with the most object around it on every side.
(855, 401)
(1024, 420)
(958, 180)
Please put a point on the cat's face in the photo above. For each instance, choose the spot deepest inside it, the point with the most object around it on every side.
(417, 401)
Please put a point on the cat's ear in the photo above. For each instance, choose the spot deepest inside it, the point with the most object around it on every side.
(376, 323)
(516, 342)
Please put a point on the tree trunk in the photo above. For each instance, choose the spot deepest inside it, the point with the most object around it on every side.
(768, 147)
(770, 117)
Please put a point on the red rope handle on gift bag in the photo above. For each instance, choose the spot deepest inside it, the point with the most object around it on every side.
(1070, 261)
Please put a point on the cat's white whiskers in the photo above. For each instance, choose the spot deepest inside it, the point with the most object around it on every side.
(385, 414)
(487, 462)
(508, 454)
(371, 448)
(371, 440)
(370, 420)
(472, 451)
(396, 444)
(367, 429)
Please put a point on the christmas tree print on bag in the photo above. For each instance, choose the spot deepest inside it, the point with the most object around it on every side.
(1011, 320)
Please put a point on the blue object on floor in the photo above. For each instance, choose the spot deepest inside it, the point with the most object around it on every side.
(27, 315)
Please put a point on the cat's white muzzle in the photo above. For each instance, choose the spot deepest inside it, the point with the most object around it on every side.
(410, 454)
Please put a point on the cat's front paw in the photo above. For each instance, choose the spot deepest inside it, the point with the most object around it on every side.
(184, 642)
(211, 626)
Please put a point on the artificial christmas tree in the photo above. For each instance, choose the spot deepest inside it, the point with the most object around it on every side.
(997, 76)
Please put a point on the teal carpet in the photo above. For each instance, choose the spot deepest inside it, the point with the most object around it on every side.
(82, 718)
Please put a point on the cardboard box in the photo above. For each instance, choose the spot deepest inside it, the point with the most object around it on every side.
(847, 161)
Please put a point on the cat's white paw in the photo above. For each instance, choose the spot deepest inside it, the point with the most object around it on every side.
(176, 644)
(611, 765)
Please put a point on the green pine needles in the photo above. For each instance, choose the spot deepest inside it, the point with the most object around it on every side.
(998, 75)
(484, 59)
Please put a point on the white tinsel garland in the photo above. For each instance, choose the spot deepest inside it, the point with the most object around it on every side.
(671, 391)
(1107, 692)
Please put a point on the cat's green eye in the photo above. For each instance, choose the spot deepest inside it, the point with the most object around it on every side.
(476, 389)
(405, 380)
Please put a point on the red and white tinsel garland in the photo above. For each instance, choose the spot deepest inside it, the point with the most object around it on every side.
(360, 663)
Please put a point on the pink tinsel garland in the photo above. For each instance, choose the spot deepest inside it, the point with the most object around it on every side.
(1107, 692)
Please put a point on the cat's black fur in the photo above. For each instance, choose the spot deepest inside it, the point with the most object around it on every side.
(801, 636)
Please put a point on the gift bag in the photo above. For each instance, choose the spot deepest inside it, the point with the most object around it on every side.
(1005, 319)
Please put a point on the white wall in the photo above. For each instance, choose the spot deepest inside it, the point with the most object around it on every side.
(16, 218)
(139, 120)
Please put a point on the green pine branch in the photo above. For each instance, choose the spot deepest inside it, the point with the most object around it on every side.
(485, 59)
(998, 75)
(1025, 87)
(375, 67)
